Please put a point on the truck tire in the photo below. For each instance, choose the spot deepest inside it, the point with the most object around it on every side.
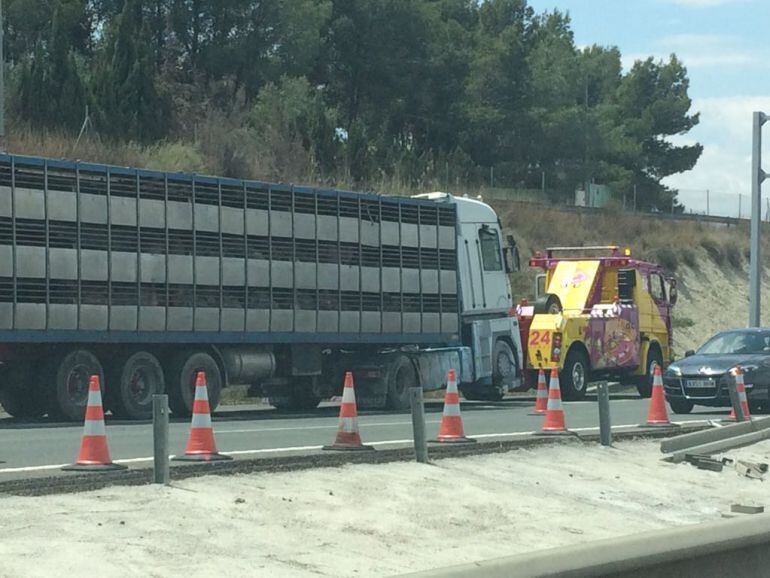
(180, 381)
(299, 395)
(575, 375)
(133, 381)
(680, 405)
(68, 376)
(20, 393)
(548, 304)
(505, 368)
(401, 378)
(644, 382)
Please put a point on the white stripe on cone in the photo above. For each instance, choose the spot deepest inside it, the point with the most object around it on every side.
(451, 409)
(348, 395)
(348, 424)
(94, 428)
(201, 420)
(94, 397)
(201, 393)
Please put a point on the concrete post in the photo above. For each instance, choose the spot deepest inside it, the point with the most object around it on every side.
(418, 424)
(735, 401)
(605, 424)
(161, 473)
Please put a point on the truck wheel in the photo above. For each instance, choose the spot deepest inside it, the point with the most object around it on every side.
(299, 395)
(575, 376)
(20, 393)
(680, 405)
(133, 382)
(68, 378)
(180, 381)
(644, 382)
(401, 378)
(505, 368)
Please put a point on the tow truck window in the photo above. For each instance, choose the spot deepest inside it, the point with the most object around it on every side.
(657, 288)
(490, 250)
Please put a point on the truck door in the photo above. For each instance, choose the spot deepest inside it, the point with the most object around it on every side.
(470, 269)
(658, 293)
(494, 281)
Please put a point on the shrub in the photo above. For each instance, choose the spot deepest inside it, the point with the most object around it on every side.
(174, 157)
(713, 249)
(667, 258)
(689, 258)
(733, 254)
(682, 322)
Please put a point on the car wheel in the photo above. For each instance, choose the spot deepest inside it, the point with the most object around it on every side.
(680, 405)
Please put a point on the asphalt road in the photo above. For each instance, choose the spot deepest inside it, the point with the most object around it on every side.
(33, 449)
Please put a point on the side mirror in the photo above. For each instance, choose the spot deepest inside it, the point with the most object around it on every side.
(512, 257)
(689, 353)
(673, 294)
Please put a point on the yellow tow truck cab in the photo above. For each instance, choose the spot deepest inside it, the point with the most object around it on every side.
(599, 313)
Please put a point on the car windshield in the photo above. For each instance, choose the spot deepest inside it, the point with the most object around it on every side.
(737, 342)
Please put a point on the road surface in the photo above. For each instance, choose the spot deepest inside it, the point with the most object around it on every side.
(30, 449)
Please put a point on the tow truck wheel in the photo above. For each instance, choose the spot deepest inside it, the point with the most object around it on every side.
(68, 376)
(180, 380)
(644, 382)
(680, 405)
(574, 376)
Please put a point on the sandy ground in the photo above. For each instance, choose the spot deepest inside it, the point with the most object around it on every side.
(714, 299)
(366, 520)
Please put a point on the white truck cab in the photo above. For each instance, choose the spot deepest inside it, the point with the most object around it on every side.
(489, 327)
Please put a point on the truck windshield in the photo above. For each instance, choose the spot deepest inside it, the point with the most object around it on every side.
(737, 342)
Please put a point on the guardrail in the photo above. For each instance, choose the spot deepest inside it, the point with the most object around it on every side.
(736, 547)
(691, 217)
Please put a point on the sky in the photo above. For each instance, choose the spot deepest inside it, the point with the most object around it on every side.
(723, 44)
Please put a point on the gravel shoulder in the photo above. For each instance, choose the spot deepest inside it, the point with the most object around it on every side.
(367, 520)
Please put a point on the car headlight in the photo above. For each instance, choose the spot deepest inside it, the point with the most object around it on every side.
(673, 370)
(744, 368)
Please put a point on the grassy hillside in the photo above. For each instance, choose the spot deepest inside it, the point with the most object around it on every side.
(709, 261)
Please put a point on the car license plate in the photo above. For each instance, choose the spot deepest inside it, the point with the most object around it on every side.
(699, 383)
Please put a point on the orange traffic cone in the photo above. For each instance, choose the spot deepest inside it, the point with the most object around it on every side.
(201, 446)
(657, 416)
(554, 414)
(740, 387)
(451, 428)
(541, 401)
(94, 454)
(348, 438)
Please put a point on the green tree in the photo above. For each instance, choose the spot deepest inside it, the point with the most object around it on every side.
(51, 92)
(130, 105)
(654, 103)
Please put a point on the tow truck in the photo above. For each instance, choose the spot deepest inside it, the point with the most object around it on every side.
(599, 314)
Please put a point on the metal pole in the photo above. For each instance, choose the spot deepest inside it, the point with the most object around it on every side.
(757, 176)
(634, 198)
(418, 424)
(161, 473)
(605, 426)
(2, 80)
(740, 203)
(736, 403)
(707, 202)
